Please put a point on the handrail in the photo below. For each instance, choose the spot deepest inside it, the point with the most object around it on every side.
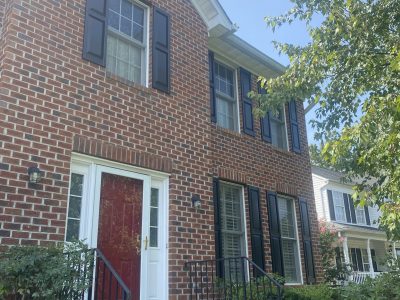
(233, 277)
(126, 291)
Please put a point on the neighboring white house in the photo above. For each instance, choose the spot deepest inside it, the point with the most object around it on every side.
(364, 246)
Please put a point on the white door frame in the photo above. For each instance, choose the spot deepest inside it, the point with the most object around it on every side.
(92, 168)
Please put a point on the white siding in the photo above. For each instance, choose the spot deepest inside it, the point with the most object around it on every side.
(318, 184)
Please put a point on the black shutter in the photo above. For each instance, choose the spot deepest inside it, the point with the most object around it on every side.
(213, 102)
(265, 121)
(331, 206)
(347, 207)
(352, 210)
(217, 228)
(275, 233)
(257, 242)
(294, 127)
(95, 32)
(373, 255)
(359, 260)
(161, 71)
(247, 106)
(307, 242)
(367, 219)
(354, 259)
(338, 258)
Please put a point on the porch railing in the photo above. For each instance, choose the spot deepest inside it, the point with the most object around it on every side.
(360, 277)
(102, 281)
(231, 278)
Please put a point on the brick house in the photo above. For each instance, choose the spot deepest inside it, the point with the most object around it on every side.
(137, 116)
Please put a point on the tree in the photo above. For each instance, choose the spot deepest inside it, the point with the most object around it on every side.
(351, 69)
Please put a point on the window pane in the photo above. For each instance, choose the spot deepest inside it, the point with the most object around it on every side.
(74, 209)
(289, 250)
(360, 215)
(115, 5)
(72, 230)
(338, 201)
(126, 26)
(153, 237)
(154, 198)
(76, 184)
(126, 9)
(137, 32)
(113, 20)
(286, 218)
(138, 15)
(153, 216)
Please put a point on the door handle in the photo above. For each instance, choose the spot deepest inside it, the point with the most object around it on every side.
(146, 242)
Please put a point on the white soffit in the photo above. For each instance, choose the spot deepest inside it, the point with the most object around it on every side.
(244, 55)
(214, 16)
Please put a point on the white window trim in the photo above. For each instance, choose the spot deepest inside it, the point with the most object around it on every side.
(145, 72)
(226, 62)
(299, 265)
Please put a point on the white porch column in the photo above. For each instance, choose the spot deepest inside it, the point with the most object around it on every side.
(371, 265)
(345, 250)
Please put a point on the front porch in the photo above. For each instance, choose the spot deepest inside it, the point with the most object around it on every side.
(365, 252)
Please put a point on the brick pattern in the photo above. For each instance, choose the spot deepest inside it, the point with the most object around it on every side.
(54, 103)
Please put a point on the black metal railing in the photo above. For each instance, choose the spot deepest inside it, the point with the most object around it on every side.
(236, 278)
(95, 278)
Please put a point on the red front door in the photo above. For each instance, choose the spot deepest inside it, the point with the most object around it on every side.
(120, 225)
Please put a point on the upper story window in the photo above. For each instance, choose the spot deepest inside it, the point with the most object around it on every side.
(278, 129)
(360, 215)
(226, 103)
(338, 202)
(127, 40)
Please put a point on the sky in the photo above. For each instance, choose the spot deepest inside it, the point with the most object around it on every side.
(249, 17)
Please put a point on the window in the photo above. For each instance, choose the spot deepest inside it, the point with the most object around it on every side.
(360, 215)
(126, 40)
(278, 129)
(338, 202)
(154, 208)
(74, 207)
(291, 261)
(365, 261)
(232, 225)
(225, 97)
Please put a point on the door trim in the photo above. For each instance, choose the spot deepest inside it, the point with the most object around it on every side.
(91, 206)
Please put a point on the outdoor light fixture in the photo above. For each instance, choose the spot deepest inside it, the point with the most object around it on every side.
(196, 201)
(34, 174)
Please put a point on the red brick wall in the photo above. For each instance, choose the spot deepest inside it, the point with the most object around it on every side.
(51, 101)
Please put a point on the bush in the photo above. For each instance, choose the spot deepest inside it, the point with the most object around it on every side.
(310, 292)
(32, 272)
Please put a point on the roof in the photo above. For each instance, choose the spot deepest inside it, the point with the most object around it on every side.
(223, 40)
(329, 174)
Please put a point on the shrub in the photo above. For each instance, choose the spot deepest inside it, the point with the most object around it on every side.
(310, 292)
(32, 272)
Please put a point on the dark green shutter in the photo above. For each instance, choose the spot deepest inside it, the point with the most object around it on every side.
(217, 228)
(354, 259)
(95, 32)
(161, 71)
(352, 210)
(257, 241)
(367, 219)
(347, 207)
(275, 234)
(307, 241)
(265, 122)
(213, 102)
(359, 260)
(247, 104)
(294, 127)
(331, 206)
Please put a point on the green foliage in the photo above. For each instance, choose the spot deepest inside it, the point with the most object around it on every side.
(32, 272)
(351, 69)
(328, 241)
(310, 292)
